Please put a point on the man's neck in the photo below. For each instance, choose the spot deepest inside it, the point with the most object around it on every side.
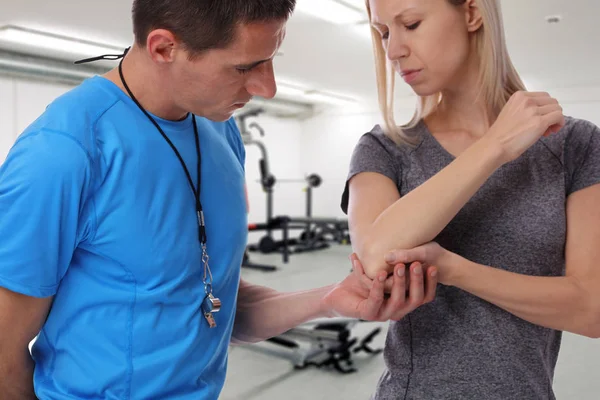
(145, 81)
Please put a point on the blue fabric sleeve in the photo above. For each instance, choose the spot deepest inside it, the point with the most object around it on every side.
(42, 191)
(238, 143)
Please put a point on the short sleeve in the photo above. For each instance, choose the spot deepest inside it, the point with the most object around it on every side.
(42, 189)
(237, 142)
(371, 154)
(582, 156)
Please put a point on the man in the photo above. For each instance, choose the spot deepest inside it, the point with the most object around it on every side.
(116, 254)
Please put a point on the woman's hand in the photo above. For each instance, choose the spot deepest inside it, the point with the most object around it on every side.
(446, 262)
(525, 118)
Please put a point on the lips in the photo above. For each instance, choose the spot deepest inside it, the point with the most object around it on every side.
(410, 75)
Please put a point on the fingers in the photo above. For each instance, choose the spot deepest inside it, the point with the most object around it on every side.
(406, 256)
(389, 283)
(549, 108)
(415, 295)
(431, 281)
(356, 265)
(372, 306)
(416, 290)
(537, 94)
(555, 120)
(544, 100)
(398, 294)
(358, 270)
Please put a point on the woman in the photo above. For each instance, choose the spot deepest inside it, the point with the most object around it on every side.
(493, 186)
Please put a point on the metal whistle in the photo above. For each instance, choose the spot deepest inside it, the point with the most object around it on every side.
(211, 304)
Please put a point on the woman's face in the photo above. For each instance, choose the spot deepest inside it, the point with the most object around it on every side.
(427, 41)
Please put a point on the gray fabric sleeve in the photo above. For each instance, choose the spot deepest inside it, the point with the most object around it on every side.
(373, 153)
(582, 156)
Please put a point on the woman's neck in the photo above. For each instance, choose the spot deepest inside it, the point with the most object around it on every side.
(462, 107)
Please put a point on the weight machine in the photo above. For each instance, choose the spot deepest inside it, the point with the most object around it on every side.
(248, 140)
(316, 232)
(321, 344)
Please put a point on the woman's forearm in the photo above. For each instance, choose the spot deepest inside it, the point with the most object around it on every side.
(561, 303)
(419, 216)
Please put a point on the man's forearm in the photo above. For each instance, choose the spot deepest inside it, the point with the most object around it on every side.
(16, 376)
(263, 313)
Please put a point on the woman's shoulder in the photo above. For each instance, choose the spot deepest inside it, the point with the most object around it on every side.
(392, 141)
(576, 135)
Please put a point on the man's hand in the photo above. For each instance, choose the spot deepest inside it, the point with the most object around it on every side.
(359, 297)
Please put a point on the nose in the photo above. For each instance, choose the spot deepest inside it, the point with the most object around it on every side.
(262, 83)
(397, 48)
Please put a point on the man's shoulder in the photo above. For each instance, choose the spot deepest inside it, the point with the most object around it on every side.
(76, 113)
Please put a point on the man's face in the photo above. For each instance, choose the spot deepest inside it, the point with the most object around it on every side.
(220, 81)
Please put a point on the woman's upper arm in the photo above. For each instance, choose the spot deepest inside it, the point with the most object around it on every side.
(582, 252)
(371, 194)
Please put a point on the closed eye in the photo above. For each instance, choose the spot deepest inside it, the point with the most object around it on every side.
(414, 26)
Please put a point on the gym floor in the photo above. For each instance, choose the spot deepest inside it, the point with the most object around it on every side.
(254, 375)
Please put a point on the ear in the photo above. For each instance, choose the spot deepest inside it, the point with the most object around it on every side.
(473, 16)
(162, 45)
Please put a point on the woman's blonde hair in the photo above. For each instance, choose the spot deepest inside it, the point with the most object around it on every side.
(498, 78)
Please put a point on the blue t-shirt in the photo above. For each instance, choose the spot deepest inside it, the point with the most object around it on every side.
(96, 211)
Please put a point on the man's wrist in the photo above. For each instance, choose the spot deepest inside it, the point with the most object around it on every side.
(325, 308)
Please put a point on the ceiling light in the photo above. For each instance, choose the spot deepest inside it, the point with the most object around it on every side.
(290, 89)
(24, 66)
(360, 4)
(37, 39)
(300, 92)
(329, 98)
(336, 11)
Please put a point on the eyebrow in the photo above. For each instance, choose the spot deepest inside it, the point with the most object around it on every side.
(377, 23)
(252, 65)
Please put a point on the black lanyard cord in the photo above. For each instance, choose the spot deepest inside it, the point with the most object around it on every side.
(195, 190)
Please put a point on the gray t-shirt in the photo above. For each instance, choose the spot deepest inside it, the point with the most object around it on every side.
(460, 346)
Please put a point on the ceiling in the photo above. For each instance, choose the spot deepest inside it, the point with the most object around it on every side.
(338, 58)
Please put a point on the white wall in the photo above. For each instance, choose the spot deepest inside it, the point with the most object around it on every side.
(283, 138)
(329, 140)
(21, 102)
(7, 117)
(31, 100)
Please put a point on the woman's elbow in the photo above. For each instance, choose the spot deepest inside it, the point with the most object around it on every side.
(372, 259)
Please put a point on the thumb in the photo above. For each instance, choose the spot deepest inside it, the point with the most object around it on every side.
(397, 256)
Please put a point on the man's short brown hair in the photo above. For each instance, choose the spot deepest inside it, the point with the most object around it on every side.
(204, 24)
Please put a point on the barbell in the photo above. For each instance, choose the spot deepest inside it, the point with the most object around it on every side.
(313, 181)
